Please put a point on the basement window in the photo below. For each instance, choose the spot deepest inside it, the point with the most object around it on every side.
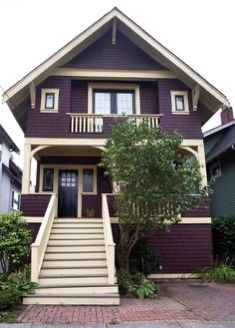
(179, 102)
(49, 100)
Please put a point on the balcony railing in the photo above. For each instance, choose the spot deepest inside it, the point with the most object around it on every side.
(95, 123)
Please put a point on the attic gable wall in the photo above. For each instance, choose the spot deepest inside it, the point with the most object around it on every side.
(102, 54)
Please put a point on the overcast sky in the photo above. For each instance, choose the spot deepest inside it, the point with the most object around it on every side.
(199, 32)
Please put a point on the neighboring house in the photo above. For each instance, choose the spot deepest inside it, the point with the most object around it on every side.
(66, 107)
(220, 158)
(10, 175)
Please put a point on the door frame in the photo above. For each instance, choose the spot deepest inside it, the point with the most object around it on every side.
(74, 167)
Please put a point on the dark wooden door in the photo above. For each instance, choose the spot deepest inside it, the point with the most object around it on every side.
(68, 191)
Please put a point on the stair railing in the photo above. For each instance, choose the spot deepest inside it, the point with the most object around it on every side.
(38, 248)
(109, 243)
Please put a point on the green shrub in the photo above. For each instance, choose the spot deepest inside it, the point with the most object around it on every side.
(9, 298)
(19, 281)
(145, 290)
(223, 229)
(221, 273)
(14, 241)
(144, 258)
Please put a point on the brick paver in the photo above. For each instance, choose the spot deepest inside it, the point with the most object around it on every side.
(180, 301)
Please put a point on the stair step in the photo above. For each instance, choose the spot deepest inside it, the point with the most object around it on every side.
(77, 236)
(65, 231)
(74, 299)
(76, 248)
(77, 227)
(88, 221)
(76, 289)
(74, 263)
(72, 279)
(53, 256)
(75, 242)
(73, 270)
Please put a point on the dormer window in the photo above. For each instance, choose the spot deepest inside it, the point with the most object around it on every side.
(179, 102)
(113, 99)
(49, 100)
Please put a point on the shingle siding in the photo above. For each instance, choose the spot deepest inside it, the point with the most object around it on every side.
(223, 197)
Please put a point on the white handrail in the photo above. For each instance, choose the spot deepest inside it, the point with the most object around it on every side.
(38, 248)
(109, 243)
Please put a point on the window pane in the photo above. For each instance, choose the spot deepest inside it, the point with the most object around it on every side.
(15, 201)
(48, 180)
(49, 100)
(125, 103)
(88, 180)
(179, 103)
(102, 103)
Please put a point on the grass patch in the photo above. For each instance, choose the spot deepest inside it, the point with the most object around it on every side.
(220, 273)
(11, 315)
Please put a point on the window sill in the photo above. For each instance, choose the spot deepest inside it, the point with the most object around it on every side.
(49, 110)
(88, 193)
(180, 113)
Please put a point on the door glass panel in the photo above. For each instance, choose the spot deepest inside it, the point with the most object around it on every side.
(88, 180)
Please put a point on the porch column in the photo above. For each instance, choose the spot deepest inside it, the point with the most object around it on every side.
(26, 169)
(202, 163)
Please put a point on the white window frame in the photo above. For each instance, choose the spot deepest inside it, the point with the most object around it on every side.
(13, 192)
(43, 99)
(184, 94)
(214, 177)
(114, 86)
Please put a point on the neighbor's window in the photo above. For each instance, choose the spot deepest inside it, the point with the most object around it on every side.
(114, 102)
(88, 180)
(49, 100)
(48, 176)
(215, 170)
(15, 200)
(179, 102)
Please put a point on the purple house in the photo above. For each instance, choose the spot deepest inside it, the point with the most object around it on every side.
(65, 107)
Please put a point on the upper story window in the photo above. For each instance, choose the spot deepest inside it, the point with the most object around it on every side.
(179, 102)
(215, 170)
(115, 99)
(49, 100)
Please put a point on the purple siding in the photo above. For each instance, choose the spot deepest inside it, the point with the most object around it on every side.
(187, 248)
(34, 228)
(188, 125)
(123, 55)
(34, 204)
(50, 124)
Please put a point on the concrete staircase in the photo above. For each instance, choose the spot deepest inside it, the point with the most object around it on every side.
(74, 268)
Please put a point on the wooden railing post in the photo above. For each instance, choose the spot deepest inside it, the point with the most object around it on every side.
(109, 243)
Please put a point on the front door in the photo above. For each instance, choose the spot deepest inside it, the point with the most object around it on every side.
(68, 194)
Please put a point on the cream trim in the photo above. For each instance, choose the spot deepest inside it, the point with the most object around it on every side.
(173, 276)
(184, 220)
(56, 102)
(113, 74)
(114, 13)
(99, 142)
(33, 219)
(175, 93)
(79, 168)
(115, 86)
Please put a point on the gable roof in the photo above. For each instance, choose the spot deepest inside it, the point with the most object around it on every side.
(225, 142)
(211, 97)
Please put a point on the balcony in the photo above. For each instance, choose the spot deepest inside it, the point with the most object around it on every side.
(98, 124)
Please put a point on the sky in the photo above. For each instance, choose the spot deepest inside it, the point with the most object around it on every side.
(200, 32)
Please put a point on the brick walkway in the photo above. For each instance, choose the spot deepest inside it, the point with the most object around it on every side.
(188, 301)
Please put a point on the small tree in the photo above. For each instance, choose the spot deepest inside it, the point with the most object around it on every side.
(157, 181)
(14, 241)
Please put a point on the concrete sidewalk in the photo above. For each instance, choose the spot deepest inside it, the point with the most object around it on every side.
(157, 324)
